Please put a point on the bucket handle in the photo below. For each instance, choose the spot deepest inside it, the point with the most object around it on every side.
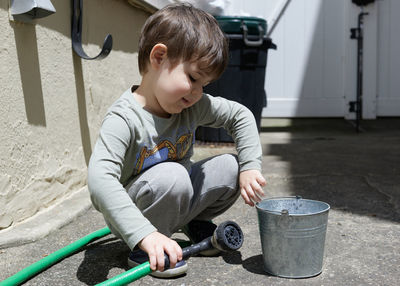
(256, 43)
(285, 211)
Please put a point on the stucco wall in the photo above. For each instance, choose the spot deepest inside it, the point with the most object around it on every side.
(52, 102)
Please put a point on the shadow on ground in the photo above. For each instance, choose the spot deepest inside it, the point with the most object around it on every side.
(100, 257)
(333, 163)
(253, 264)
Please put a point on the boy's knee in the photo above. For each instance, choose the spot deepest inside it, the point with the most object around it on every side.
(171, 191)
(230, 169)
(165, 181)
(231, 161)
(174, 181)
(174, 174)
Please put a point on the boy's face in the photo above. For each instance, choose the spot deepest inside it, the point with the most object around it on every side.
(179, 86)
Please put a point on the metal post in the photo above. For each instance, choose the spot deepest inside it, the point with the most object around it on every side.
(357, 33)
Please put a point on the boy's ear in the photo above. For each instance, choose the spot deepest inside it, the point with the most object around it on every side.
(158, 55)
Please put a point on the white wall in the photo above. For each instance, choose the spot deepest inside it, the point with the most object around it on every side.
(52, 102)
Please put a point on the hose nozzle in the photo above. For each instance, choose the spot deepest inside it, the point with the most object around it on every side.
(227, 236)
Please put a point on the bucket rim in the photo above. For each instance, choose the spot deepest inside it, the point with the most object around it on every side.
(328, 207)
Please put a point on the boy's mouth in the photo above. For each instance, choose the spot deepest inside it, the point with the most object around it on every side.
(185, 101)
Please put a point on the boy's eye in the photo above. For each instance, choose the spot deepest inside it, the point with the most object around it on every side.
(192, 79)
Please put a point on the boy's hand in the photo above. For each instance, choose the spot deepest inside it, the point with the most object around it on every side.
(155, 244)
(251, 183)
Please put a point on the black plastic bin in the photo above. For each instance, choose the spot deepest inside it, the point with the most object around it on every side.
(243, 79)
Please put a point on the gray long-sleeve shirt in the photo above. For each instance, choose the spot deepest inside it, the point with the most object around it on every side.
(131, 140)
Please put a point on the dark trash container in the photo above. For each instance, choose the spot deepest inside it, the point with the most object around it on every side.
(243, 79)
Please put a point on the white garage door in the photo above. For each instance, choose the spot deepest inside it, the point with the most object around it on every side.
(388, 95)
(313, 72)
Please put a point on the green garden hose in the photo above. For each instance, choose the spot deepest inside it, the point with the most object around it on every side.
(128, 276)
(53, 258)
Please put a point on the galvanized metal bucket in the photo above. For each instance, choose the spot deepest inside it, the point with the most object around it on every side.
(292, 232)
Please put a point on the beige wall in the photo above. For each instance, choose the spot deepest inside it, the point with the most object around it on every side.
(52, 102)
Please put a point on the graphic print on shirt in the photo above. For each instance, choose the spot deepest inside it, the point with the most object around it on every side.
(163, 151)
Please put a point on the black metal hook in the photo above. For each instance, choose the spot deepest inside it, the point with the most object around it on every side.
(76, 35)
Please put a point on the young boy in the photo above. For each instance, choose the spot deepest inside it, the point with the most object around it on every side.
(140, 176)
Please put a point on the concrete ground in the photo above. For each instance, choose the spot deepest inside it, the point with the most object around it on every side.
(358, 174)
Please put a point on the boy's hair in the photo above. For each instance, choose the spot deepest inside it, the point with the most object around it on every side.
(190, 34)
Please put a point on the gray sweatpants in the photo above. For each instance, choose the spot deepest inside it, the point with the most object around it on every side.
(169, 197)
